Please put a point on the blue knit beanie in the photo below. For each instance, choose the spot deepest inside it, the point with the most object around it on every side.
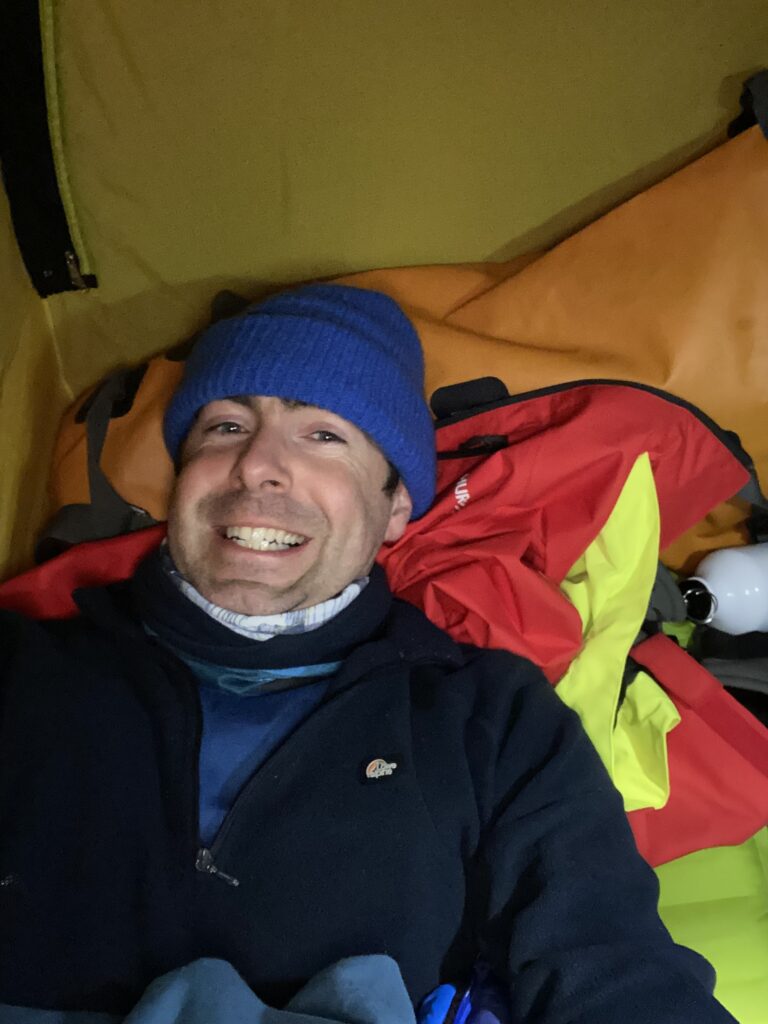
(348, 350)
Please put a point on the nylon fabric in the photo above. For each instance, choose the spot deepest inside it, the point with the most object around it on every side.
(32, 397)
(386, 135)
(639, 325)
(507, 527)
(717, 902)
(133, 458)
(658, 291)
(609, 585)
(46, 591)
(726, 526)
(640, 758)
(718, 762)
(134, 117)
(706, 226)
(48, 15)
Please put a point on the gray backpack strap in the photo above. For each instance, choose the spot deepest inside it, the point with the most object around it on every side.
(749, 674)
(107, 514)
(751, 492)
(746, 679)
(666, 603)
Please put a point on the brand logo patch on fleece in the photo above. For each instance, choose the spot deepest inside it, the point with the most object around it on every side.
(379, 768)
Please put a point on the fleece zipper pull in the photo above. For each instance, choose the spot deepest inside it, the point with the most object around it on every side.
(204, 863)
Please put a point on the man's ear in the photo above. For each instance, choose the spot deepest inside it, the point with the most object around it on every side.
(399, 515)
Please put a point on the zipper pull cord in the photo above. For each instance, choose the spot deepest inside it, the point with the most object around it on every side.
(204, 863)
(73, 269)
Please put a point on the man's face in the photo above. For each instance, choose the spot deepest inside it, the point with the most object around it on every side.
(279, 505)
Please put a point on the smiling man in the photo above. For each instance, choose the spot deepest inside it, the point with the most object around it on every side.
(252, 752)
(279, 504)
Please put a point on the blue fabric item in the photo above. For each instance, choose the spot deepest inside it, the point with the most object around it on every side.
(239, 734)
(349, 350)
(434, 1007)
(31, 1015)
(246, 682)
(243, 722)
(358, 990)
(485, 1001)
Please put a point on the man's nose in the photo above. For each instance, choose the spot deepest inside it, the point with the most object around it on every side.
(263, 463)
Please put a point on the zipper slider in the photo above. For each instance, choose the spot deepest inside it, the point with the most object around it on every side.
(204, 864)
(73, 269)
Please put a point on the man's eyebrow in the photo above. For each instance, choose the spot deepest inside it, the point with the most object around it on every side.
(248, 402)
(294, 403)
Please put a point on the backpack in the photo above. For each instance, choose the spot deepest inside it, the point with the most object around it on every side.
(111, 473)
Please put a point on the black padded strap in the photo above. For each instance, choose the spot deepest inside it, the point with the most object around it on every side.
(466, 397)
(754, 105)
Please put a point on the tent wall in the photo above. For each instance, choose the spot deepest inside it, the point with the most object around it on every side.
(231, 143)
(227, 143)
(32, 398)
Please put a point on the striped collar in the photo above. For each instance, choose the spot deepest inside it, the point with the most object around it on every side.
(265, 627)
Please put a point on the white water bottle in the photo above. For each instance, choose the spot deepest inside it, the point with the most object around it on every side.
(730, 590)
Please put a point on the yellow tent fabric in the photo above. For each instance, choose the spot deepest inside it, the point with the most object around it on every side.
(235, 144)
(232, 143)
(33, 396)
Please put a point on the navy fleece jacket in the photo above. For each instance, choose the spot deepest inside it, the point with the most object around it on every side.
(494, 833)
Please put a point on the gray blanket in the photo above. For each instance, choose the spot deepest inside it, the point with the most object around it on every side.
(359, 990)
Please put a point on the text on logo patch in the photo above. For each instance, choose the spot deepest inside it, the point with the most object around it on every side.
(378, 768)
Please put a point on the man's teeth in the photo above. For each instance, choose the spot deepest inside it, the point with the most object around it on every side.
(263, 538)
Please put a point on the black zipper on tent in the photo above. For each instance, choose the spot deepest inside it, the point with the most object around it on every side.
(28, 165)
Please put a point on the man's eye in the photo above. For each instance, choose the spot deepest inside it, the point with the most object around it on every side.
(225, 427)
(326, 436)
